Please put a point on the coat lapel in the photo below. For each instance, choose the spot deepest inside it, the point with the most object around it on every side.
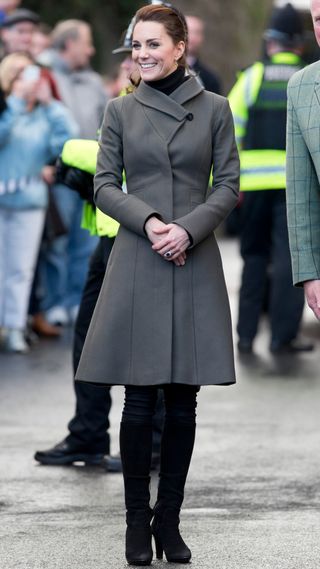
(167, 113)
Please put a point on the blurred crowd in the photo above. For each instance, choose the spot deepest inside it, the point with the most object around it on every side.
(50, 94)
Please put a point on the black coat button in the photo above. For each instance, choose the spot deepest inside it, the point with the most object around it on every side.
(190, 117)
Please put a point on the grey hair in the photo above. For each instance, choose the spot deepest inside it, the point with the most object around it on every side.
(65, 31)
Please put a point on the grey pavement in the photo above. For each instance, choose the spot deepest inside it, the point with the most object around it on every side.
(253, 493)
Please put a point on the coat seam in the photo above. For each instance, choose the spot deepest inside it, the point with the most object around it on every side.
(193, 326)
(132, 314)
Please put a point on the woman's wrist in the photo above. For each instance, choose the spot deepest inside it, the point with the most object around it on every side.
(153, 217)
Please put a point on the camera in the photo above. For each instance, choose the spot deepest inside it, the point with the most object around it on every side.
(31, 73)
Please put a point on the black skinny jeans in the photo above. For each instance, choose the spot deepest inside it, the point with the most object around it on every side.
(180, 403)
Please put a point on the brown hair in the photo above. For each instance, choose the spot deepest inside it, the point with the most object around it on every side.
(173, 21)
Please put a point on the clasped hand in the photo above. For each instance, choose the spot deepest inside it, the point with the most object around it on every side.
(168, 238)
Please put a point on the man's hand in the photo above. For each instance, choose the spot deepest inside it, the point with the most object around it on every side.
(48, 174)
(312, 292)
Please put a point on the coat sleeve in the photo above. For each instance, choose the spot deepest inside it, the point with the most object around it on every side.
(62, 127)
(15, 107)
(303, 202)
(205, 218)
(128, 210)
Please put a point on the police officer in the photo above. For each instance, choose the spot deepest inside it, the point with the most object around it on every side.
(258, 102)
(88, 439)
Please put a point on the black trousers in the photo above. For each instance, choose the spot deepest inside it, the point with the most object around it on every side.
(180, 403)
(90, 424)
(265, 252)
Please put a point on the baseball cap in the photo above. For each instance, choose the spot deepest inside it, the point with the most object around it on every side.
(21, 15)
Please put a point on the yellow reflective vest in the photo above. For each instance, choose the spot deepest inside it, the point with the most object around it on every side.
(261, 169)
(82, 154)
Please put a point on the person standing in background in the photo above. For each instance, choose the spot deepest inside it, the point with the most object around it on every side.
(82, 91)
(208, 78)
(41, 42)
(19, 29)
(16, 31)
(303, 175)
(88, 438)
(259, 102)
(33, 129)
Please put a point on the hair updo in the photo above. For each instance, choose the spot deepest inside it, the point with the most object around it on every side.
(173, 21)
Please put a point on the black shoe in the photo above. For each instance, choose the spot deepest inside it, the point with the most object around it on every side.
(113, 463)
(245, 346)
(293, 347)
(65, 453)
(139, 538)
(165, 530)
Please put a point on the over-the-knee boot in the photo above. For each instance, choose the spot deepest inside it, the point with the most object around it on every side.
(135, 448)
(176, 452)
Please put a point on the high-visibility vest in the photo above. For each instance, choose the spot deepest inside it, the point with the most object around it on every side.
(258, 103)
(82, 154)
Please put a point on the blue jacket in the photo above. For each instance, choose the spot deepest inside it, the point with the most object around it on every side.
(29, 141)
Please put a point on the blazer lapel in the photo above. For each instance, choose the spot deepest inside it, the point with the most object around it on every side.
(317, 88)
(167, 113)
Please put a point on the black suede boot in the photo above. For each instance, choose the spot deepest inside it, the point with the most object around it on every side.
(135, 449)
(176, 452)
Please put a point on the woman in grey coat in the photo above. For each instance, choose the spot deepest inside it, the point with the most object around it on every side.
(162, 318)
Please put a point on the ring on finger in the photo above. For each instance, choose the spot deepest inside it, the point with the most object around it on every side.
(168, 254)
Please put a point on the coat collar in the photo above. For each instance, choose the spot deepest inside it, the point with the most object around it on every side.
(171, 105)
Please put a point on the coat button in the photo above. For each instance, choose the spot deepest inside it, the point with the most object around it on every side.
(190, 117)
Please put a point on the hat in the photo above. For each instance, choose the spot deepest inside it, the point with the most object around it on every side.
(126, 46)
(285, 26)
(21, 15)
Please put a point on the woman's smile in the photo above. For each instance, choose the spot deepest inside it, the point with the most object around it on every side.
(147, 65)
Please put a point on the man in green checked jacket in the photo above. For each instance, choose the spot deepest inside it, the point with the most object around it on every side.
(303, 175)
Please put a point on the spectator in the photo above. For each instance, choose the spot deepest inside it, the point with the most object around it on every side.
(41, 41)
(17, 29)
(33, 129)
(78, 84)
(208, 78)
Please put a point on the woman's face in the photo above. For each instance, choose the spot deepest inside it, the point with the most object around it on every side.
(154, 52)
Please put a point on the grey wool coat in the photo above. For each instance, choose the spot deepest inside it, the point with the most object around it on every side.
(155, 323)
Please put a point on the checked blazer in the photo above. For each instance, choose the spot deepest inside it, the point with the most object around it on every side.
(303, 173)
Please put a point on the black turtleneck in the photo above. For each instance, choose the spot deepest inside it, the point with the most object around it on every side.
(171, 82)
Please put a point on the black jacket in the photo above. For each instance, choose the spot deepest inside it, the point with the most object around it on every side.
(210, 80)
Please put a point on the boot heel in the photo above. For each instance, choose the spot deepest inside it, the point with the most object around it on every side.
(159, 548)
